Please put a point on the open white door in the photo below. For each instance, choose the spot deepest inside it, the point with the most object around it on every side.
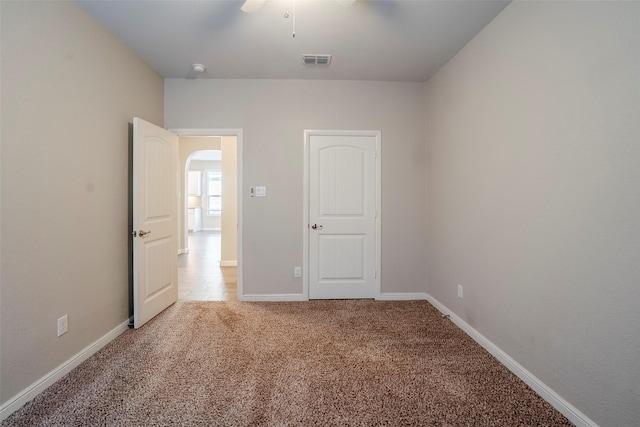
(343, 215)
(155, 210)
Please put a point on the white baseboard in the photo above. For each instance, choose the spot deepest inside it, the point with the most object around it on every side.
(40, 385)
(274, 297)
(228, 263)
(402, 296)
(544, 391)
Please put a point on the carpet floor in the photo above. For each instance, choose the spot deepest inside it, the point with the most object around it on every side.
(319, 363)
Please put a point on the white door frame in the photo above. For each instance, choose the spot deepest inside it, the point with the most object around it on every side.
(305, 223)
(238, 134)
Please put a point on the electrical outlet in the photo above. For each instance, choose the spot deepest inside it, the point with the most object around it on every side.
(63, 325)
(460, 291)
(297, 272)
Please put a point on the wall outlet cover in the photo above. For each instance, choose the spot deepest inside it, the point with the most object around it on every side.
(63, 325)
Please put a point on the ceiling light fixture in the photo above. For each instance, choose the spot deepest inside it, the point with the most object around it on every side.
(286, 15)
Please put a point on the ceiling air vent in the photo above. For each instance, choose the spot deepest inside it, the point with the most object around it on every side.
(316, 59)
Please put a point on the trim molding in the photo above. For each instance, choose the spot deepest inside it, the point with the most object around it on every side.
(543, 390)
(274, 297)
(40, 385)
(229, 263)
(402, 296)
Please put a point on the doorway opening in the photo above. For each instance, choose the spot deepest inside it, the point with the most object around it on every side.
(209, 261)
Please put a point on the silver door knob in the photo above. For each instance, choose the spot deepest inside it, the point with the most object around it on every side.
(316, 227)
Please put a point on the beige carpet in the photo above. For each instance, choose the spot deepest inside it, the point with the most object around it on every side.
(322, 363)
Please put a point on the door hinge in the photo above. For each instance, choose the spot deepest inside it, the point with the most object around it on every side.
(375, 274)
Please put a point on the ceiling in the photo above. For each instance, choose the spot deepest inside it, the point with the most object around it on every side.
(387, 40)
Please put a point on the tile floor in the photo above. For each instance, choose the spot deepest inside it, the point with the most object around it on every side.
(200, 277)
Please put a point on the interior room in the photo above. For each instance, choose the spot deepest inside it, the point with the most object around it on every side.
(508, 169)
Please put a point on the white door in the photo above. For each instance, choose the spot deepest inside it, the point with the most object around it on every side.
(155, 210)
(342, 216)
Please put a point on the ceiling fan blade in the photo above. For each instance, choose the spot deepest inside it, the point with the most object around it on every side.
(251, 6)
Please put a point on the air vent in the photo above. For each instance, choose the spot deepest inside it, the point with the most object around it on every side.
(316, 59)
(309, 59)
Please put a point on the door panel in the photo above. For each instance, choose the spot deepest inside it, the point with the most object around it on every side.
(158, 274)
(342, 207)
(341, 170)
(341, 257)
(155, 210)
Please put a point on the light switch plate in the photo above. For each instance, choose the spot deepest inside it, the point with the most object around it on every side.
(261, 191)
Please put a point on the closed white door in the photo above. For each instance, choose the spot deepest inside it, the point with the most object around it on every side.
(342, 216)
(155, 225)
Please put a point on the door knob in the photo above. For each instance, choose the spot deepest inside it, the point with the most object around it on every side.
(143, 233)
(316, 227)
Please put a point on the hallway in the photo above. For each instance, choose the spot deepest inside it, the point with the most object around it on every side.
(200, 277)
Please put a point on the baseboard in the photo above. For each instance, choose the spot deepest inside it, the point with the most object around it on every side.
(39, 386)
(274, 297)
(402, 296)
(564, 407)
(228, 263)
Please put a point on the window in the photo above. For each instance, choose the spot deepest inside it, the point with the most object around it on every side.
(214, 193)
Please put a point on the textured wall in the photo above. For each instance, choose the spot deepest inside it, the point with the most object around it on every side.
(533, 179)
(69, 90)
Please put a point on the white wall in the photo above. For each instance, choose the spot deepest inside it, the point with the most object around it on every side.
(533, 136)
(229, 217)
(69, 92)
(273, 115)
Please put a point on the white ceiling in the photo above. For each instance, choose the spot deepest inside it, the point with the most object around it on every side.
(390, 40)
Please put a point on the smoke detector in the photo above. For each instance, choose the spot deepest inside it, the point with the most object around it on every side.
(316, 59)
(198, 68)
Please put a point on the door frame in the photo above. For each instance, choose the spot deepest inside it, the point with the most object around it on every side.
(238, 134)
(305, 222)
